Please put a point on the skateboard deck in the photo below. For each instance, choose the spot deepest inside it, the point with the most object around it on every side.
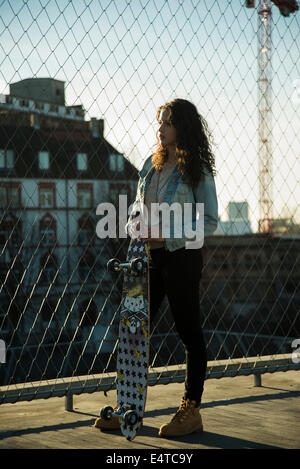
(133, 345)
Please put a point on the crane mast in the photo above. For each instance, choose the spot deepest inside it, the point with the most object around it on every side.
(265, 157)
(266, 215)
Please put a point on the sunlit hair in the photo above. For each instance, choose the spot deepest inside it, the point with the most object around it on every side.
(193, 142)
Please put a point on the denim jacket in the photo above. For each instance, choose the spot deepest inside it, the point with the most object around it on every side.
(179, 191)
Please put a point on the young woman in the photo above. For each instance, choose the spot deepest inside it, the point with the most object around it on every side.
(181, 170)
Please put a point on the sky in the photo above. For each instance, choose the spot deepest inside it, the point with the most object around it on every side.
(122, 59)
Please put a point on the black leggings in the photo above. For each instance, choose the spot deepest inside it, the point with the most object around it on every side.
(177, 274)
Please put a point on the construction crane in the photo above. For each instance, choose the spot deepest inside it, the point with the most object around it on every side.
(266, 215)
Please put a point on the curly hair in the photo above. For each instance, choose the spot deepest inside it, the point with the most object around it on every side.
(193, 142)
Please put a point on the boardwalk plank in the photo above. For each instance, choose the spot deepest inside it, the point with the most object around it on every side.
(235, 414)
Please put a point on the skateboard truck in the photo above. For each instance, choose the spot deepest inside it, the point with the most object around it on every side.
(135, 266)
(126, 412)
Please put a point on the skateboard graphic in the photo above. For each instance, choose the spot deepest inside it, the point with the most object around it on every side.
(133, 345)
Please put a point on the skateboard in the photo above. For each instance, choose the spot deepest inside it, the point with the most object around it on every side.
(133, 345)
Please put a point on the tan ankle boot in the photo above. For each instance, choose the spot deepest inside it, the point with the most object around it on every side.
(186, 420)
(112, 424)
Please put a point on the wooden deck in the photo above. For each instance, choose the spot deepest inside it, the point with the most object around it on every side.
(235, 413)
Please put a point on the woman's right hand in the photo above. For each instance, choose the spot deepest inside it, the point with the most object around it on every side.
(134, 229)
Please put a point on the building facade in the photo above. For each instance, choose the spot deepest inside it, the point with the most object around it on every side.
(55, 168)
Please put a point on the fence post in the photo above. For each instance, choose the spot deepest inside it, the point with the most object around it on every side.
(69, 402)
(257, 379)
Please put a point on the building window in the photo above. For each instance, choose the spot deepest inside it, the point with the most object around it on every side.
(24, 102)
(10, 194)
(116, 162)
(86, 268)
(3, 236)
(39, 106)
(48, 230)
(4, 304)
(84, 236)
(44, 160)
(47, 236)
(48, 274)
(86, 229)
(16, 236)
(6, 159)
(46, 195)
(82, 161)
(48, 268)
(13, 196)
(3, 197)
(85, 195)
(83, 272)
(116, 189)
(10, 232)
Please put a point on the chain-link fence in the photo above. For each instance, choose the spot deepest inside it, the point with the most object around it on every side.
(62, 64)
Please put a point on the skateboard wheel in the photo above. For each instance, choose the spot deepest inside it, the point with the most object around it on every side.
(131, 417)
(137, 265)
(106, 413)
(113, 265)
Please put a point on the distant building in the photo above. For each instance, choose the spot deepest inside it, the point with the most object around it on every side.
(237, 211)
(41, 96)
(238, 223)
(251, 284)
(47, 90)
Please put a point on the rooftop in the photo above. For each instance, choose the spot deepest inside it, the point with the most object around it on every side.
(235, 414)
